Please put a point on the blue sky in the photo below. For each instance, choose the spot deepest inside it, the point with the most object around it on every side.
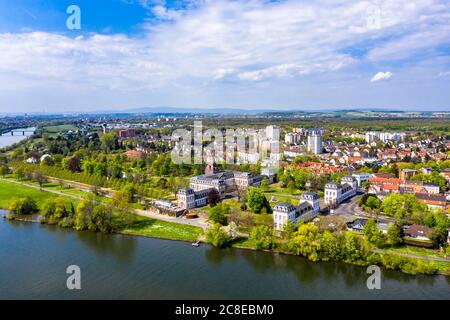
(286, 54)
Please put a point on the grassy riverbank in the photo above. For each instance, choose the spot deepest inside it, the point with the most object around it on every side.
(10, 190)
(148, 227)
(141, 226)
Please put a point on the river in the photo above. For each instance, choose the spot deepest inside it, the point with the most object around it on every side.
(7, 139)
(34, 258)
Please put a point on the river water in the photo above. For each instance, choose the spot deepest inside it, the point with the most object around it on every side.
(7, 139)
(34, 258)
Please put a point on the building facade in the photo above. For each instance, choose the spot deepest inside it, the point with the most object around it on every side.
(307, 210)
(315, 141)
(336, 193)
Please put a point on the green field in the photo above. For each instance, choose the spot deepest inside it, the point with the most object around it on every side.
(60, 128)
(418, 251)
(143, 226)
(9, 190)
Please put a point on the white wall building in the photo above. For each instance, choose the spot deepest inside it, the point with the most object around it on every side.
(362, 177)
(336, 193)
(315, 143)
(307, 210)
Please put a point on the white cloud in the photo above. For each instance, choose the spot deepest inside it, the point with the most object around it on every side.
(246, 41)
(381, 76)
(444, 74)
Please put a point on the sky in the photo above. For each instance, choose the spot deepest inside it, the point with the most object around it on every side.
(250, 54)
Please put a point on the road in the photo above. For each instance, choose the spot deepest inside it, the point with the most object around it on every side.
(351, 210)
(198, 222)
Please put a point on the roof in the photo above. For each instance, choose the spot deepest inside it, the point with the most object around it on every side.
(186, 191)
(432, 198)
(416, 230)
(309, 195)
(357, 224)
(284, 207)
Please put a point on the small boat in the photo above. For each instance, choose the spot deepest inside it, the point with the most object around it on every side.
(196, 244)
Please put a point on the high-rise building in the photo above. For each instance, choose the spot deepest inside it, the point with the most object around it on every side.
(315, 142)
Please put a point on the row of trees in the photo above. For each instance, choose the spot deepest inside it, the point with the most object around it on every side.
(349, 246)
(89, 214)
(407, 209)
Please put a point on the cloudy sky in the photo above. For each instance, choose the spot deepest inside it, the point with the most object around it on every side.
(284, 54)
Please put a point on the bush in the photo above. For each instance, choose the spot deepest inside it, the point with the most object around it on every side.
(263, 236)
(216, 236)
(217, 214)
(21, 206)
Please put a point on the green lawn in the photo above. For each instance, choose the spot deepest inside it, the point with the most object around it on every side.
(60, 128)
(275, 188)
(9, 190)
(418, 251)
(143, 226)
(244, 243)
(140, 225)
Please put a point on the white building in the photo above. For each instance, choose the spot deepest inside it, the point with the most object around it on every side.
(362, 177)
(188, 198)
(371, 136)
(307, 210)
(315, 141)
(336, 193)
(292, 138)
(222, 181)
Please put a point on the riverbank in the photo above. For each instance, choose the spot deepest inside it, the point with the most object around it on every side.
(138, 225)
(154, 228)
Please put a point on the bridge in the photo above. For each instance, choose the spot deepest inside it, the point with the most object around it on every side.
(22, 132)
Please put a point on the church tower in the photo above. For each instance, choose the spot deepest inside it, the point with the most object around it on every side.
(211, 165)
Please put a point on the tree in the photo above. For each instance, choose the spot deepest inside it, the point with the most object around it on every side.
(213, 197)
(109, 142)
(291, 186)
(402, 206)
(373, 202)
(84, 214)
(394, 235)
(288, 230)
(22, 206)
(263, 237)
(53, 210)
(216, 236)
(4, 170)
(265, 184)
(330, 249)
(39, 177)
(257, 200)
(217, 214)
(372, 233)
(306, 242)
(74, 164)
(353, 248)
(101, 219)
(19, 172)
(120, 201)
(47, 161)
(440, 232)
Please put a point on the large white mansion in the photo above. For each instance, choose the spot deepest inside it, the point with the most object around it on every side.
(336, 193)
(223, 181)
(307, 210)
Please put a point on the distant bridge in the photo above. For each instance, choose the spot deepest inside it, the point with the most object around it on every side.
(22, 132)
